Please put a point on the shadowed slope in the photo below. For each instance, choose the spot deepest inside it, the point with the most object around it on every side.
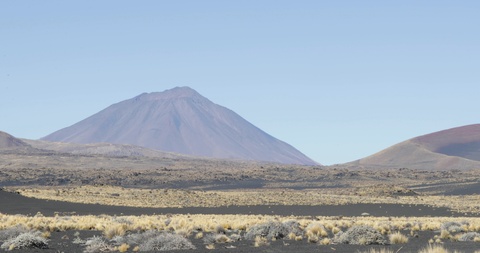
(461, 141)
(182, 121)
(456, 148)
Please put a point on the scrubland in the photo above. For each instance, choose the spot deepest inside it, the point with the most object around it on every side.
(172, 182)
(121, 233)
(162, 198)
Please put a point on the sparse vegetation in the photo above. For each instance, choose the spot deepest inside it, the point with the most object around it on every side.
(268, 230)
(165, 242)
(31, 239)
(360, 235)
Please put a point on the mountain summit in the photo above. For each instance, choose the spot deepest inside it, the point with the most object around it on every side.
(180, 120)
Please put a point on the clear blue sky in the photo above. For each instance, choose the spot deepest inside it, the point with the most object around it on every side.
(339, 80)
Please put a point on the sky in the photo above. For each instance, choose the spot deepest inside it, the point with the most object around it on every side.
(338, 80)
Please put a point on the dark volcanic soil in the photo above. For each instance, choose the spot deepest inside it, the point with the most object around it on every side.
(62, 241)
(12, 203)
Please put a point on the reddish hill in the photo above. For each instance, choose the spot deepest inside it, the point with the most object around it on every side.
(456, 148)
(461, 141)
(180, 120)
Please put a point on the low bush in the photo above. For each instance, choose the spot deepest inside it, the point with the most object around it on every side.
(360, 235)
(12, 232)
(97, 244)
(166, 242)
(216, 238)
(271, 230)
(452, 227)
(469, 237)
(25, 241)
(137, 238)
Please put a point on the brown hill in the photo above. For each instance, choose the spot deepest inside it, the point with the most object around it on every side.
(456, 148)
(182, 121)
(9, 142)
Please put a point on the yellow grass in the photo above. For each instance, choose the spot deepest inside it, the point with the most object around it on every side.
(434, 248)
(261, 241)
(398, 238)
(123, 248)
(160, 198)
(185, 224)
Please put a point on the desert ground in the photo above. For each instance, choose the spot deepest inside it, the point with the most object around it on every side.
(60, 202)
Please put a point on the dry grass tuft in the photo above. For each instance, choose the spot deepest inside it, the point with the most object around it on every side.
(434, 248)
(291, 236)
(46, 234)
(199, 235)
(113, 231)
(261, 241)
(123, 248)
(444, 234)
(325, 241)
(312, 238)
(398, 238)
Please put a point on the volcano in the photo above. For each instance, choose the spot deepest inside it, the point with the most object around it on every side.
(180, 120)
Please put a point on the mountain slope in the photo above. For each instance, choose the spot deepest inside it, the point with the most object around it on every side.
(8, 142)
(182, 121)
(456, 148)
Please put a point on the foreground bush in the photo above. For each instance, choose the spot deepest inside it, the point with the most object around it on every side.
(166, 242)
(97, 244)
(452, 227)
(468, 237)
(25, 241)
(137, 238)
(12, 232)
(360, 235)
(271, 230)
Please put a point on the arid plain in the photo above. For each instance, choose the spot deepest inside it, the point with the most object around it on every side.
(115, 201)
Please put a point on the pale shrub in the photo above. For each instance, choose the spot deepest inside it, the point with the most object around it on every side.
(97, 244)
(26, 240)
(271, 230)
(12, 232)
(468, 237)
(360, 235)
(166, 242)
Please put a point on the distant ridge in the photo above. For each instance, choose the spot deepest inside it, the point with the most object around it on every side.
(180, 120)
(7, 141)
(455, 148)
